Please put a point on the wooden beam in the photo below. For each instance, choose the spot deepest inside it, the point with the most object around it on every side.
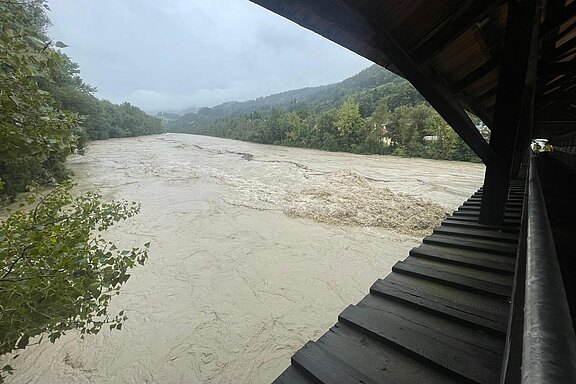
(561, 95)
(437, 92)
(552, 23)
(563, 51)
(477, 110)
(563, 68)
(552, 12)
(550, 93)
(514, 100)
(463, 20)
(475, 75)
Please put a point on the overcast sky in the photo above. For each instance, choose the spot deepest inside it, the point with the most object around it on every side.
(175, 54)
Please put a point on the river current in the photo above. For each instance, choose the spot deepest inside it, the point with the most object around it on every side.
(255, 250)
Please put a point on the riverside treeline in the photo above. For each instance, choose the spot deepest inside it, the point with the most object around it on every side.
(373, 112)
(46, 110)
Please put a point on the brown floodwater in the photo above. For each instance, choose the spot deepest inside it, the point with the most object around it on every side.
(255, 250)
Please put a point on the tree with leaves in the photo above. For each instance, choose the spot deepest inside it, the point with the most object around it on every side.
(349, 121)
(35, 137)
(57, 273)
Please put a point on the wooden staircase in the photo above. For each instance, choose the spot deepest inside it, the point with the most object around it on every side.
(440, 317)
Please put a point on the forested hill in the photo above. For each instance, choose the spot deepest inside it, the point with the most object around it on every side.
(368, 85)
(374, 111)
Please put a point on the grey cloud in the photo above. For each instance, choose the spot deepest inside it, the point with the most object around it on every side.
(169, 55)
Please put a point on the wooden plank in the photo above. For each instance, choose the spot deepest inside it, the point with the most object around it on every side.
(293, 376)
(478, 234)
(508, 223)
(496, 305)
(487, 246)
(466, 17)
(475, 259)
(475, 75)
(455, 310)
(513, 196)
(462, 359)
(475, 225)
(326, 368)
(476, 203)
(460, 281)
(464, 270)
(512, 217)
(379, 361)
(507, 208)
(440, 323)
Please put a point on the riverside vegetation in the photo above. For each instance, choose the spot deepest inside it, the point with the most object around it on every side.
(373, 112)
(57, 273)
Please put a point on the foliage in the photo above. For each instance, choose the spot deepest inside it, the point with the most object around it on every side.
(349, 122)
(57, 273)
(35, 137)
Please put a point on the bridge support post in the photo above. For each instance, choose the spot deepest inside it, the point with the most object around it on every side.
(514, 104)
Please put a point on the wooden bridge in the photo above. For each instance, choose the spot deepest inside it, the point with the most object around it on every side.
(489, 297)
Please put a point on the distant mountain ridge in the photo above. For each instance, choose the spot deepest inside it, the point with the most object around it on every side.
(316, 99)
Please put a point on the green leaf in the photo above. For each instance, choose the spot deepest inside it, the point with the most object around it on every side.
(60, 44)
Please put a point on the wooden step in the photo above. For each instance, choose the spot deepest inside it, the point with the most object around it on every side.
(477, 203)
(382, 362)
(475, 259)
(508, 223)
(326, 368)
(475, 225)
(472, 208)
(463, 359)
(468, 283)
(511, 196)
(494, 247)
(507, 215)
(429, 302)
(293, 375)
(477, 234)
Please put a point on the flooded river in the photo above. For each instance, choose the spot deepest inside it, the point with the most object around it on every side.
(255, 250)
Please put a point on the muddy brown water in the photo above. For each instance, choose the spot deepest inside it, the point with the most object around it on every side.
(255, 250)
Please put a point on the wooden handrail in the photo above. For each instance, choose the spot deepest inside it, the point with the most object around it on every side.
(549, 342)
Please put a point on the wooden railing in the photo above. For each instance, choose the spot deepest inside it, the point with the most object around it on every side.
(541, 344)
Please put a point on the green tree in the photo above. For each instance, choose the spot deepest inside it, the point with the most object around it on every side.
(446, 140)
(35, 137)
(56, 271)
(349, 121)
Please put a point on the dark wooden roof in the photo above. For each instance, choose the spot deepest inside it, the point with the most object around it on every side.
(456, 48)
(441, 316)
